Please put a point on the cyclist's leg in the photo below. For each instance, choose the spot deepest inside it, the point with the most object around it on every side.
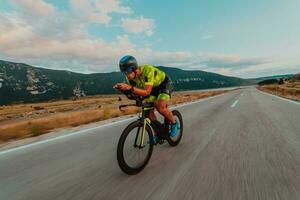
(162, 108)
(152, 115)
(164, 96)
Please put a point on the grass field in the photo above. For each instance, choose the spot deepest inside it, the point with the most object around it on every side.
(288, 90)
(29, 120)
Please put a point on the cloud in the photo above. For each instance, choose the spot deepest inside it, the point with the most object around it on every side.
(231, 61)
(27, 38)
(98, 11)
(138, 25)
(70, 46)
(246, 67)
(277, 65)
(110, 6)
(14, 31)
(41, 35)
(37, 8)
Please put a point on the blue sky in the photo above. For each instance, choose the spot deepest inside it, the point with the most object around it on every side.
(237, 38)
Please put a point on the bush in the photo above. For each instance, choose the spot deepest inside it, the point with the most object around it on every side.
(280, 81)
(268, 82)
(38, 108)
(36, 131)
(106, 113)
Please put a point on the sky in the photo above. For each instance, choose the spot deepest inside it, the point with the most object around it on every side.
(230, 37)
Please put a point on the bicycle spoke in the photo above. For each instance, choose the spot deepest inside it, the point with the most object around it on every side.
(135, 156)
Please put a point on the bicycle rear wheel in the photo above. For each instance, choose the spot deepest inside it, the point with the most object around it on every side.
(132, 155)
(173, 141)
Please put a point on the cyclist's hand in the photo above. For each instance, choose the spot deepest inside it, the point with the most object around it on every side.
(122, 86)
(116, 86)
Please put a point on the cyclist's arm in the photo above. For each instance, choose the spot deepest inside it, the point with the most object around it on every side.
(148, 84)
(143, 92)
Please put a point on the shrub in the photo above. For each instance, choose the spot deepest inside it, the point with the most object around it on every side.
(36, 131)
(38, 108)
(268, 82)
(280, 81)
(106, 113)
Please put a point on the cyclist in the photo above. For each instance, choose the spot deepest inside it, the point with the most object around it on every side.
(149, 82)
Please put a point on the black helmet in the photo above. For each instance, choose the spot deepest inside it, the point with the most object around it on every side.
(128, 63)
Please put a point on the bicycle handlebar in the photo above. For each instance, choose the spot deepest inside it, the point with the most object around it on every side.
(138, 99)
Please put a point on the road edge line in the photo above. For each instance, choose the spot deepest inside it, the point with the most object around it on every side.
(5, 151)
(279, 97)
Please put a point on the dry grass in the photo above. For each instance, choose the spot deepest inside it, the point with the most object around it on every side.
(35, 127)
(187, 96)
(27, 120)
(295, 85)
(15, 113)
(283, 90)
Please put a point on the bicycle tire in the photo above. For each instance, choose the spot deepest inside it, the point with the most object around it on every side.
(170, 140)
(120, 150)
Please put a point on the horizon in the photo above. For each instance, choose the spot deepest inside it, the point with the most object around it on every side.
(156, 66)
(241, 39)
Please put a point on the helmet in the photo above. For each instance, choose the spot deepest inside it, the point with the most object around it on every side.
(128, 63)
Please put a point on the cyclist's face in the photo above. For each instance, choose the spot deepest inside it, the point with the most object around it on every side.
(130, 75)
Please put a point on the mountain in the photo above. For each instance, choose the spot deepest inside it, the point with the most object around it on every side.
(294, 78)
(20, 83)
(277, 77)
(196, 79)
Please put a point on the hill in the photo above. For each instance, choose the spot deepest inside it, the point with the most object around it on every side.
(21, 83)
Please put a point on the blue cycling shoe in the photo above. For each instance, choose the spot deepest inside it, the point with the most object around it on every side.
(155, 140)
(174, 128)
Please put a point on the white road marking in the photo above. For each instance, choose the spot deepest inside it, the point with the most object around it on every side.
(93, 128)
(234, 103)
(63, 136)
(285, 99)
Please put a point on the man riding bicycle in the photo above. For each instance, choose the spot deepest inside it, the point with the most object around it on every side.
(149, 82)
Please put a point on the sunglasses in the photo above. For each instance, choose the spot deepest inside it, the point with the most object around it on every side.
(127, 71)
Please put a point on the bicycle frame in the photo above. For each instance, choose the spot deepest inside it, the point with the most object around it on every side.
(146, 121)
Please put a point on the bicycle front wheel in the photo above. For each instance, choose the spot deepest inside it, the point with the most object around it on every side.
(133, 151)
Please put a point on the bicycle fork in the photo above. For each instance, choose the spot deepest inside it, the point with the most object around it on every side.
(142, 139)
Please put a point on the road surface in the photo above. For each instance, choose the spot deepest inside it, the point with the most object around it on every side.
(242, 145)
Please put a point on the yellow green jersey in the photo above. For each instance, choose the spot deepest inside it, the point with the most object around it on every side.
(158, 79)
(150, 76)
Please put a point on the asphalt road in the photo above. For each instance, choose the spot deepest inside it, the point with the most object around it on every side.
(237, 146)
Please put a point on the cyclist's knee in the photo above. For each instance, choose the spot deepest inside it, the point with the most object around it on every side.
(161, 108)
(152, 115)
